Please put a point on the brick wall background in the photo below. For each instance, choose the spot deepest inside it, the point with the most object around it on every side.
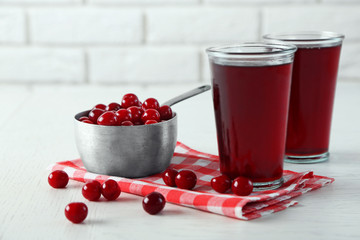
(152, 41)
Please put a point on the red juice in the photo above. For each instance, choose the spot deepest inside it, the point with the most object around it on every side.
(311, 100)
(251, 108)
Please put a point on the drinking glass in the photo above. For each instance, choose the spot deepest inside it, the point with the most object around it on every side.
(251, 88)
(312, 93)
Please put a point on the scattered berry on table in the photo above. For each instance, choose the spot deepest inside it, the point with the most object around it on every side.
(58, 179)
(221, 183)
(92, 190)
(110, 190)
(153, 203)
(242, 186)
(186, 179)
(168, 177)
(76, 212)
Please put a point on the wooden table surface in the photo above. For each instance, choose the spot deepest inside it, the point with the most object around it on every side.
(36, 130)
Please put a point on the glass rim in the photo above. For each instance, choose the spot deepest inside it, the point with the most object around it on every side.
(224, 50)
(307, 38)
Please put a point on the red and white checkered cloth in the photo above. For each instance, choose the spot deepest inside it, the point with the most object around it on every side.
(202, 197)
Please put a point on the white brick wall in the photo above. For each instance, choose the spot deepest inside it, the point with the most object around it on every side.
(343, 19)
(85, 25)
(144, 64)
(12, 25)
(201, 25)
(146, 41)
(33, 64)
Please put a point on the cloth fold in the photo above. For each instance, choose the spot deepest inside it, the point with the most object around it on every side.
(203, 197)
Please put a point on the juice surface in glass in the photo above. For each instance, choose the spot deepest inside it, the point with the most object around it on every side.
(251, 99)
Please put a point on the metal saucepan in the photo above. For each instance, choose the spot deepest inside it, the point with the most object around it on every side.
(129, 151)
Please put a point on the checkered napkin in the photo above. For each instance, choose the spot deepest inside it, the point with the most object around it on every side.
(202, 197)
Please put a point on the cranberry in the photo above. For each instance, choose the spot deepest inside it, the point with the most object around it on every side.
(127, 123)
(110, 190)
(150, 122)
(150, 103)
(129, 100)
(153, 203)
(83, 118)
(87, 121)
(100, 106)
(136, 113)
(165, 112)
(92, 190)
(151, 114)
(168, 177)
(113, 106)
(221, 183)
(186, 179)
(108, 119)
(76, 212)
(58, 179)
(123, 115)
(95, 114)
(242, 186)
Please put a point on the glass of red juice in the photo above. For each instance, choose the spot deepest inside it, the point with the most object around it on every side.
(251, 89)
(312, 94)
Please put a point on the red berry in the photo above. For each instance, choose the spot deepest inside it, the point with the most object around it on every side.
(186, 179)
(165, 112)
(83, 118)
(129, 100)
(87, 121)
(151, 114)
(100, 106)
(95, 114)
(92, 190)
(76, 212)
(168, 177)
(108, 119)
(58, 179)
(123, 115)
(153, 203)
(150, 103)
(113, 106)
(136, 113)
(126, 123)
(242, 186)
(110, 190)
(221, 183)
(150, 122)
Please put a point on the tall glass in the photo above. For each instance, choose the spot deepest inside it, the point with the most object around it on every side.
(312, 94)
(251, 88)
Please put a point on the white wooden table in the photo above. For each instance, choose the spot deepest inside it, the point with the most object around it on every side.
(36, 130)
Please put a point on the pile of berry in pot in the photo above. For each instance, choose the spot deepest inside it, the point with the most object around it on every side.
(130, 112)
